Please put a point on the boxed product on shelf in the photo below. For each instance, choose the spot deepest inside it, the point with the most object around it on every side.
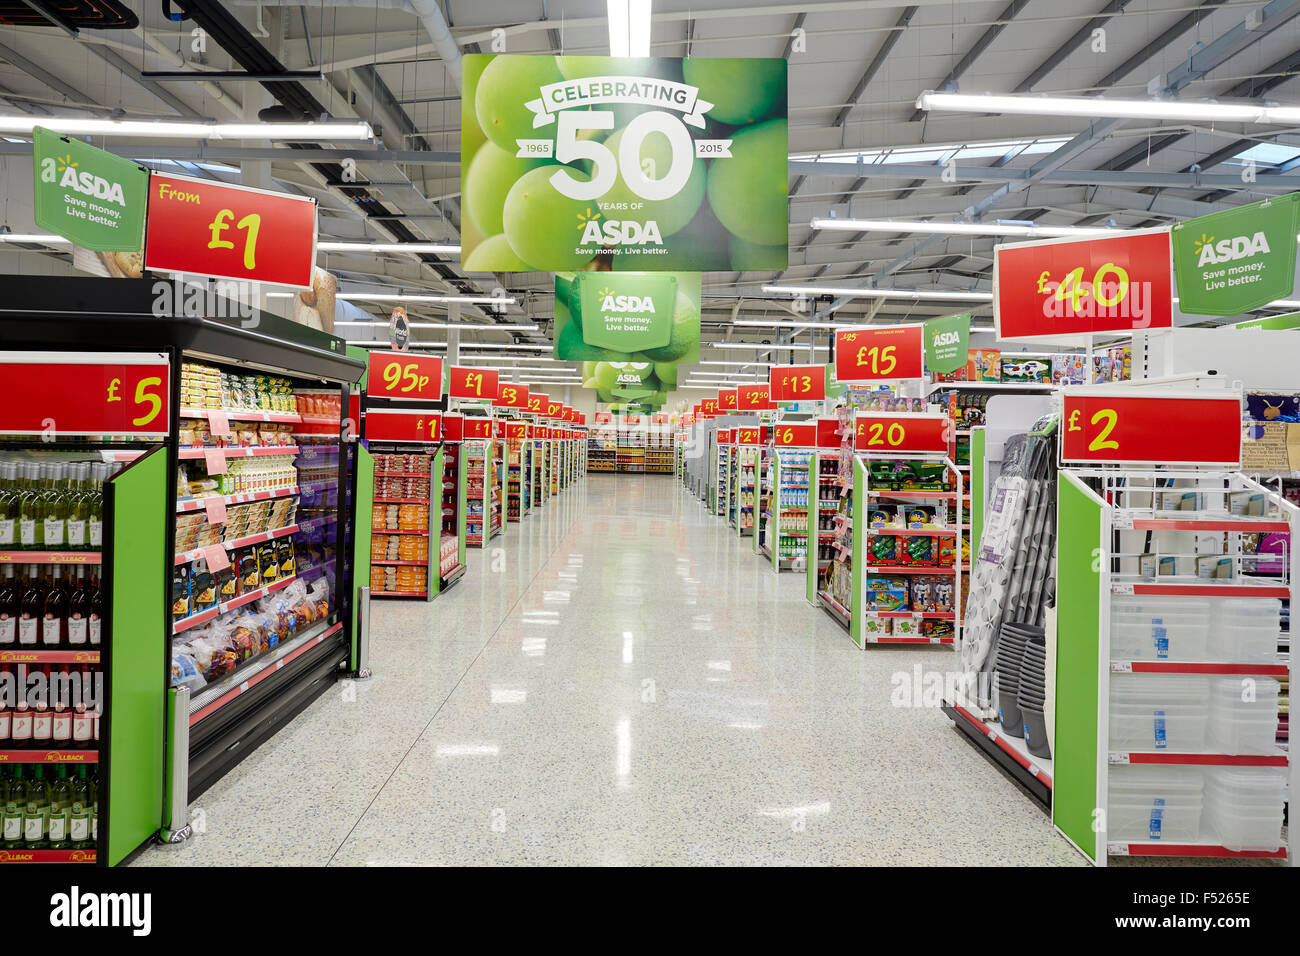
(1025, 370)
(932, 593)
(984, 365)
(1147, 803)
(889, 593)
(878, 626)
(1068, 369)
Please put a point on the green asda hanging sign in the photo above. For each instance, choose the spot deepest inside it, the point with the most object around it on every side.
(946, 342)
(86, 195)
(1276, 323)
(1231, 262)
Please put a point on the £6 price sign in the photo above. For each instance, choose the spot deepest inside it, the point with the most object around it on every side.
(797, 383)
(794, 436)
(1100, 426)
(401, 375)
(472, 383)
(510, 395)
(902, 433)
(65, 393)
(1078, 287)
(880, 355)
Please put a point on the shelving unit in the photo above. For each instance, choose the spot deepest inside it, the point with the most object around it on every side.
(483, 491)
(722, 473)
(407, 493)
(744, 493)
(787, 536)
(518, 452)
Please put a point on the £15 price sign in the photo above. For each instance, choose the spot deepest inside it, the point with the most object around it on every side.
(1099, 426)
(203, 228)
(510, 395)
(797, 383)
(405, 426)
(472, 383)
(880, 355)
(402, 375)
(53, 394)
(901, 432)
(1078, 287)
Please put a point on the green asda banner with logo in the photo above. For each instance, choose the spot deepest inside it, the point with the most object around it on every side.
(1231, 262)
(946, 342)
(95, 199)
(642, 164)
(1276, 323)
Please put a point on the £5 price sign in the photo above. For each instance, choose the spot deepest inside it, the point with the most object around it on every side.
(510, 395)
(1079, 287)
(1100, 426)
(880, 355)
(404, 376)
(54, 394)
(797, 383)
(472, 383)
(910, 434)
(203, 228)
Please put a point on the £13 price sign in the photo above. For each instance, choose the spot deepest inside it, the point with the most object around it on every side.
(797, 383)
(880, 355)
(1100, 426)
(472, 383)
(54, 394)
(402, 375)
(794, 436)
(384, 424)
(203, 228)
(510, 395)
(900, 432)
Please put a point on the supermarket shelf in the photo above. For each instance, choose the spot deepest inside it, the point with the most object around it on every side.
(909, 569)
(833, 607)
(250, 451)
(1010, 753)
(1202, 590)
(49, 657)
(890, 639)
(912, 532)
(402, 474)
(419, 594)
(918, 615)
(1244, 525)
(49, 755)
(1197, 667)
(401, 501)
(913, 493)
(47, 856)
(1191, 849)
(243, 497)
(400, 564)
(1163, 757)
(187, 556)
(422, 534)
(194, 620)
(319, 420)
(246, 415)
(454, 575)
(50, 557)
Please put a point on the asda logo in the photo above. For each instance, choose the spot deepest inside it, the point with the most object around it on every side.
(623, 232)
(64, 172)
(947, 338)
(642, 305)
(1210, 252)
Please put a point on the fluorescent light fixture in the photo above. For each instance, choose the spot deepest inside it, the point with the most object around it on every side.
(411, 297)
(506, 345)
(46, 238)
(438, 248)
(937, 152)
(629, 27)
(443, 325)
(165, 129)
(740, 364)
(1027, 104)
(959, 228)
(768, 348)
(782, 324)
(854, 293)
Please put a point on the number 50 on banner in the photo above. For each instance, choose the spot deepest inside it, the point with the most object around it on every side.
(1104, 426)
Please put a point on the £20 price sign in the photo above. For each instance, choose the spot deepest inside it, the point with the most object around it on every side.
(902, 433)
(880, 355)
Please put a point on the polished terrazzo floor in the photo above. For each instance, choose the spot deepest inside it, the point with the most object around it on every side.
(618, 680)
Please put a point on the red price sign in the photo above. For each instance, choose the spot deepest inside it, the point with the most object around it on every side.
(453, 428)
(472, 382)
(402, 375)
(658, 419)
(880, 355)
(727, 399)
(797, 383)
(126, 393)
(1111, 284)
(510, 395)
(516, 431)
(913, 434)
(204, 228)
(828, 433)
(477, 428)
(498, 429)
(537, 403)
(709, 408)
(753, 398)
(604, 418)
(407, 426)
(724, 436)
(794, 436)
(1100, 426)
(747, 436)
(553, 409)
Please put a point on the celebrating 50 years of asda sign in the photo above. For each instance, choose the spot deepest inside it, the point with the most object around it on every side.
(648, 164)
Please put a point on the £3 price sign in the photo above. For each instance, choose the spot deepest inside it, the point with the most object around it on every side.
(510, 395)
(794, 436)
(203, 228)
(911, 434)
(59, 394)
(404, 376)
(753, 398)
(797, 383)
(406, 426)
(880, 355)
(472, 383)
(1099, 426)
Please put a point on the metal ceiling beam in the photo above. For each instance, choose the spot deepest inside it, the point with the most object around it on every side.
(1148, 52)
(1062, 52)
(218, 152)
(977, 49)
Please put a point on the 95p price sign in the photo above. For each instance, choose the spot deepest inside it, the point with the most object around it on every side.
(1100, 426)
(403, 376)
(64, 393)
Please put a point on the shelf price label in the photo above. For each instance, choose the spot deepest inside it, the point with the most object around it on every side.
(1109, 284)
(880, 355)
(54, 394)
(1099, 426)
(727, 399)
(420, 425)
(794, 436)
(747, 436)
(510, 395)
(401, 375)
(912, 434)
(204, 228)
(797, 383)
(453, 428)
(472, 383)
(754, 398)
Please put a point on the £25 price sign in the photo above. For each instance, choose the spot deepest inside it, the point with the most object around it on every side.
(797, 383)
(1099, 426)
(203, 228)
(1110, 284)
(53, 394)
(402, 375)
(510, 395)
(910, 434)
(472, 383)
(405, 426)
(880, 355)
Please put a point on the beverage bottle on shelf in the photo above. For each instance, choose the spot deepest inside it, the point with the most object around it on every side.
(9, 505)
(31, 509)
(6, 714)
(11, 815)
(56, 507)
(83, 714)
(59, 806)
(79, 811)
(31, 609)
(96, 612)
(54, 619)
(78, 506)
(94, 807)
(62, 701)
(42, 713)
(95, 512)
(36, 809)
(20, 721)
(10, 607)
(78, 624)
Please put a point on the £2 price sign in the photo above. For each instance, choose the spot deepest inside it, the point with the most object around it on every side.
(472, 383)
(1099, 426)
(880, 355)
(203, 228)
(110, 393)
(727, 400)
(797, 383)
(911, 434)
(537, 403)
(404, 426)
(404, 376)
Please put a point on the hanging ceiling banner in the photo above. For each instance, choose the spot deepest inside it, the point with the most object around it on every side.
(946, 342)
(87, 195)
(1230, 262)
(658, 164)
(884, 354)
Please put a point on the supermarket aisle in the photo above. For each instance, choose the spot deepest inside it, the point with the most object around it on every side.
(622, 682)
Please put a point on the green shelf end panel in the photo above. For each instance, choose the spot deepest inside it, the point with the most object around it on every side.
(978, 489)
(814, 532)
(856, 573)
(461, 502)
(363, 506)
(1080, 515)
(435, 530)
(138, 651)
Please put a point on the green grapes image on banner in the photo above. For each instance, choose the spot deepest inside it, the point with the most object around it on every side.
(634, 164)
